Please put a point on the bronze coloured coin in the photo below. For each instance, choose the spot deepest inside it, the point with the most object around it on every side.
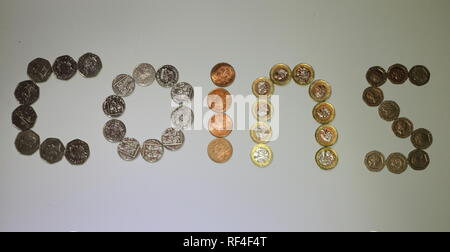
(220, 150)
(422, 139)
(320, 91)
(263, 87)
(220, 125)
(326, 135)
(373, 97)
(419, 160)
(281, 74)
(219, 100)
(223, 75)
(303, 74)
(324, 113)
(419, 75)
(403, 127)
(389, 111)
(375, 161)
(398, 74)
(397, 163)
(376, 76)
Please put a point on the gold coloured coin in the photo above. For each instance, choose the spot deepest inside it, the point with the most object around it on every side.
(303, 74)
(320, 91)
(324, 113)
(281, 74)
(263, 87)
(326, 135)
(327, 158)
(261, 132)
(261, 155)
(263, 110)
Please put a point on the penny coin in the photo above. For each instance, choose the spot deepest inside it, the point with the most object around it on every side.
(144, 74)
(326, 135)
(223, 75)
(261, 132)
(219, 100)
(261, 155)
(281, 74)
(303, 74)
(419, 75)
(263, 110)
(167, 76)
(39, 70)
(422, 139)
(24, 117)
(324, 113)
(182, 93)
(182, 118)
(128, 149)
(376, 76)
(375, 161)
(27, 142)
(419, 160)
(398, 74)
(114, 106)
(172, 139)
(403, 127)
(123, 85)
(320, 91)
(52, 150)
(220, 125)
(389, 111)
(77, 152)
(373, 97)
(220, 150)
(263, 87)
(327, 158)
(27, 92)
(152, 150)
(397, 163)
(65, 67)
(89, 65)
(114, 131)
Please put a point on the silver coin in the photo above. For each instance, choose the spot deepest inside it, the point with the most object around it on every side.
(129, 149)
(39, 70)
(27, 142)
(172, 139)
(52, 150)
(144, 74)
(114, 131)
(65, 67)
(123, 85)
(167, 76)
(114, 106)
(90, 65)
(24, 117)
(77, 152)
(27, 92)
(152, 150)
(182, 93)
(182, 118)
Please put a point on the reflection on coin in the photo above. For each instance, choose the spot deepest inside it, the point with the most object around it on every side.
(182, 118)
(167, 76)
(281, 74)
(182, 93)
(220, 125)
(27, 142)
(320, 91)
(398, 74)
(114, 106)
(263, 87)
(397, 163)
(261, 155)
(152, 150)
(419, 160)
(261, 132)
(77, 152)
(220, 150)
(219, 100)
(263, 110)
(324, 113)
(327, 158)
(39, 70)
(422, 139)
(303, 74)
(114, 131)
(223, 74)
(128, 149)
(389, 111)
(172, 139)
(326, 135)
(90, 65)
(403, 127)
(52, 150)
(376, 76)
(27, 92)
(375, 161)
(373, 97)
(123, 85)
(65, 67)
(144, 74)
(24, 117)
(419, 75)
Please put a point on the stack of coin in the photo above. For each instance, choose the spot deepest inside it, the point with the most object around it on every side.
(24, 117)
(402, 127)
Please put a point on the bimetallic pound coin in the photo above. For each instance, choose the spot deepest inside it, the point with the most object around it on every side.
(263, 110)
(152, 150)
(376, 76)
(397, 163)
(39, 70)
(65, 67)
(422, 139)
(223, 75)
(27, 142)
(261, 132)
(327, 158)
(182, 118)
(281, 74)
(128, 149)
(182, 93)
(419, 160)
(52, 150)
(172, 139)
(303, 74)
(144, 74)
(263, 87)
(326, 135)
(373, 97)
(114, 106)
(219, 100)
(419, 75)
(403, 127)
(77, 152)
(24, 117)
(398, 74)
(167, 76)
(320, 91)
(220, 125)
(375, 161)
(27, 92)
(89, 65)
(324, 113)
(389, 111)
(114, 131)
(261, 155)
(220, 150)
(123, 85)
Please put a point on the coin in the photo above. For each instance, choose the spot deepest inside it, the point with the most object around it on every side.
(182, 118)
(389, 111)
(167, 76)
(326, 135)
(419, 75)
(422, 139)
(263, 110)
(375, 161)
(27, 142)
(24, 117)
(220, 150)
(303, 74)
(327, 158)
(89, 65)
(398, 74)
(263, 87)
(114, 106)
(65, 67)
(52, 150)
(397, 163)
(324, 113)
(219, 100)
(373, 97)
(376, 76)
(39, 70)
(144, 74)
(403, 127)
(128, 149)
(419, 160)
(123, 85)
(220, 125)
(261, 155)
(261, 132)
(114, 131)
(152, 150)
(77, 152)
(223, 75)
(182, 93)
(281, 74)
(172, 139)
(320, 91)
(27, 92)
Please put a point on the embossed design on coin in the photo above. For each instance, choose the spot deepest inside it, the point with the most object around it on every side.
(65, 67)
(114, 106)
(172, 139)
(397, 163)
(263, 87)
(261, 132)
(220, 150)
(389, 111)
(419, 160)
(220, 125)
(114, 131)
(182, 93)
(123, 85)
(326, 135)
(263, 110)
(24, 117)
(324, 113)
(375, 161)
(281, 74)
(403, 127)
(376, 76)
(261, 155)
(39, 70)
(128, 149)
(27, 92)
(320, 91)
(27, 142)
(398, 74)
(144, 74)
(52, 150)
(182, 118)
(419, 75)
(373, 97)
(90, 65)
(303, 74)
(327, 158)
(219, 100)
(77, 152)
(152, 150)
(167, 76)
(223, 75)
(422, 139)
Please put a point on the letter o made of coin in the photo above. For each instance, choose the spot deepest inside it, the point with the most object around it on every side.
(182, 118)
(182, 93)
(114, 131)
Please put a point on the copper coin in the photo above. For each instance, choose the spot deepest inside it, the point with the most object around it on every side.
(398, 74)
(324, 113)
(373, 97)
(376, 76)
(303, 74)
(389, 111)
(375, 161)
(223, 74)
(320, 91)
(263, 87)
(419, 160)
(419, 75)
(403, 127)
(220, 150)
(220, 125)
(422, 139)
(397, 163)
(281, 74)
(219, 100)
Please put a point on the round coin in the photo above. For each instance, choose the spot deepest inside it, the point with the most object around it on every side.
(320, 91)
(261, 132)
(182, 118)
(419, 160)
(327, 158)
(403, 127)
(128, 149)
(220, 125)
(123, 85)
(52, 150)
(77, 152)
(376, 76)
(24, 117)
(114, 131)
(223, 75)
(263, 87)
(114, 106)
(89, 65)
(172, 139)
(324, 113)
(65, 67)
(373, 97)
(263, 110)
(419, 75)
(152, 150)
(281, 74)
(261, 155)
(27, 92)
(167, 76)
(182, 93)
(144, 74)
(398, 74)
(326, 135)
(375, 161)
(389, 111)
(303, 74)
(219, 100)
(27, 142)
(220, 150)
(422, 139)
(39, 70)
(397, 163)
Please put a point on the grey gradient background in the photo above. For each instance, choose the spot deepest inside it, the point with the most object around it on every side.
(186, 191)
